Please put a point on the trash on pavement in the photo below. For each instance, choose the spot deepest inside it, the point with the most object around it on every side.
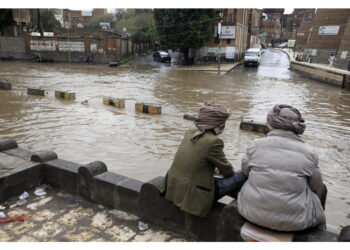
(2, 208)
(21, 202)
(19, 218)
(71, 199)
(13, 205)
(2, 215)
(143, 226)
(24, 196)
(39, 191)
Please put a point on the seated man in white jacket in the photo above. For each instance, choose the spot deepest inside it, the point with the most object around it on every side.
(284, 190)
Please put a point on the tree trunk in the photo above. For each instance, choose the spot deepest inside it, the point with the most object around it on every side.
(40, 26)
(186, 51)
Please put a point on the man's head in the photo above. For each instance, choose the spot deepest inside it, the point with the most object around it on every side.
(287, 118)
(210, 117)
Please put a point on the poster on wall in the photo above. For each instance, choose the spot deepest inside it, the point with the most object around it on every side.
(41, 45)
(328, 30)
(230, 52)
(93, 47)
(228, 32)
(71, 46)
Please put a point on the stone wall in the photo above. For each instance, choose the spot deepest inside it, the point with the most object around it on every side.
(12, 48)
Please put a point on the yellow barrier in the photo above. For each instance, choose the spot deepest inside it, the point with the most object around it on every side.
(64, 95)
(118, 103)
(148, 108)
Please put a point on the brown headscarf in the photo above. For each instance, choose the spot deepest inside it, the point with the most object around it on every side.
(210, 117)
(287, 118)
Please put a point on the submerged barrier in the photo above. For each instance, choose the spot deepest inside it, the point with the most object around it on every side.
(39, 92)
(5, 85)
(64, 95)
(22, 169)
(254, 126)
(148, 108)
(118, 103)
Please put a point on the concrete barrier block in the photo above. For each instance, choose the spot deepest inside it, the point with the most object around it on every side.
(20, 153)
(105, 189)
(344, 234)
(172, 218)
(5, 85)
(129, 193)
(39, 92)
(254, 126)
(148, 108)
(7, 144)
(62, 174)
(64, 95)
(43, 156)
(230, 223)
(150, 201)
(204, 228)
(86, 175)
(118, 103)
(19, 180)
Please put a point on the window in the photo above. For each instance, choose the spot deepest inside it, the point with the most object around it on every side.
(228, 41)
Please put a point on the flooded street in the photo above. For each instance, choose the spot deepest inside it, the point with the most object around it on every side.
(142, 146)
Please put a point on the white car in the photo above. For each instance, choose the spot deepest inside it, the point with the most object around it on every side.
(252, 57)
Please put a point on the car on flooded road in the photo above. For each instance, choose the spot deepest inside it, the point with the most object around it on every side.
(161, 56)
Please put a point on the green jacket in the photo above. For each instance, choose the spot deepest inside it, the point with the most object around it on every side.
(189, 183)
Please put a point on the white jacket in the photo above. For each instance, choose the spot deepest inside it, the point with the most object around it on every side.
(283, 179)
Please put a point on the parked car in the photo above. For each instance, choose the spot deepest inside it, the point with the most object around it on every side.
(252, 57)
(161, 56)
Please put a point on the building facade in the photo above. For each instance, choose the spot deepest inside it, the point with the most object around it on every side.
(18, 19)
(79, 18)
(292, 22)
(233, 40)
(329, 34)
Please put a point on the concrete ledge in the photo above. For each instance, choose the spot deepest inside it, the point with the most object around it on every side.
(63, 174)
(205, 229)
(230, 223)
(86, 175)
(43, 156)
(150, 201)
(128, 192)
(20, 153)
(105, 189)
(7, 144)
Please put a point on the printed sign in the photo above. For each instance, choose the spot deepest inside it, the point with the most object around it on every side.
(41, 45)
(314, 51)
(328, 30)
(71, 46)
(300, 34)
(228, 32)
(230, 52)
(93, 47)
(86, 13)
(344, 54)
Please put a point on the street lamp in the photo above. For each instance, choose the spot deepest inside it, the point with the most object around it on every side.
(221, 14)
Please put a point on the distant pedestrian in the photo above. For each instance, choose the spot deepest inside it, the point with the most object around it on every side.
(309, 59)
(331, 60)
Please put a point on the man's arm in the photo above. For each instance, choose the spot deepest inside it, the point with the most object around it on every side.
(218, 158)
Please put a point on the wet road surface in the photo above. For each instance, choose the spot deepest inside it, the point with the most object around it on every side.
(142, 146)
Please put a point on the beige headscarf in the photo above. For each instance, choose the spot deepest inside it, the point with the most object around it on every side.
(287, 118)
(210, 117)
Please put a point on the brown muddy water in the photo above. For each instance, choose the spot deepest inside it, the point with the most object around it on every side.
(142, 146)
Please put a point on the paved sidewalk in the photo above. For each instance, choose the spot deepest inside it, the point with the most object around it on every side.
(212, 68)
(290, 53)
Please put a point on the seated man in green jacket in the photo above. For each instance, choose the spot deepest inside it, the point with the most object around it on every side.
(190, 183)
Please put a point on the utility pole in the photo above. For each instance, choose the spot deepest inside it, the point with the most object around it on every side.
(219, 31)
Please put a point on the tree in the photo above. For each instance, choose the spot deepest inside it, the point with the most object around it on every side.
(43, 20)
(184, 28)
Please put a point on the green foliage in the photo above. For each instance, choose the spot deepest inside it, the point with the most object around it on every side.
(108, 18)
(5, 16)
(43, 19)
(139, 24)
(184, 28)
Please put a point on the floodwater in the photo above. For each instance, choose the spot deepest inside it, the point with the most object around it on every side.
(142, 146)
